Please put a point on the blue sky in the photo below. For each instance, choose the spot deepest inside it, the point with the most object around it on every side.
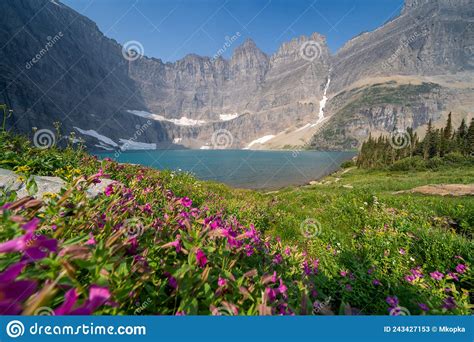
(170, 29)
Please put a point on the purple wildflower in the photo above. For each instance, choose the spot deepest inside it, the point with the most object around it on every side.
(109, 190)
(172, 282)
(70, 299)
(147, 208)
(436, 275)
(460, 268)
(282, 288)
(221, 282)
(315, 266)
(271, 294)
(453, 276)
(34, 246)
(449, 303)
(278, 259)
(248, 250)
(423, 307)
(201, 258)
(177, 243)
(274, 277)
(91, 240)
(13, 293)
(392, 301)
(186, 202)
(306, 268)
(12, 272)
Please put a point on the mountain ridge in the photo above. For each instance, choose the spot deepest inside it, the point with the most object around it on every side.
(251, 94)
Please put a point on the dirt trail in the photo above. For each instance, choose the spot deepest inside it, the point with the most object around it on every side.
(443, 190)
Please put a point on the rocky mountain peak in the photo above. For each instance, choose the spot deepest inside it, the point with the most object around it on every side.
(249, 44)
(248, 48)
(248, 57)
(304, 45)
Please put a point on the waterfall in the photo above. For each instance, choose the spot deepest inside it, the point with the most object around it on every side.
(322, 103)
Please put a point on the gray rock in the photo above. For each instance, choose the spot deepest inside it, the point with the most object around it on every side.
(9, 182)
(97, 189)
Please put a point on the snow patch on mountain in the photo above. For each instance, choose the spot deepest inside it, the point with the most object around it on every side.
(135, 145)
(100, 137)
(261, 140)
(183, 121)
(228, 117)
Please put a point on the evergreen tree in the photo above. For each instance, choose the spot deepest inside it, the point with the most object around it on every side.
(470, 139)
(448, 130)
(461, 135)
(387, 150)
(446, 138)
(427, 141)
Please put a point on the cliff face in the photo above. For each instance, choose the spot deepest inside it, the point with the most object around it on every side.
(84, 81)
(431, 42)
(57, 66)
(251, 94)
(432, 37)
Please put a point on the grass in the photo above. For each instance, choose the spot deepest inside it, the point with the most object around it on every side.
(348, 245)
(333, 202)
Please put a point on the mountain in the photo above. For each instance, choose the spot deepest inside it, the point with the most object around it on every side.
(418, 66)
(250, 95)
(55, 65)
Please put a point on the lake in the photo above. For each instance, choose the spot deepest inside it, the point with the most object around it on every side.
(241, 168)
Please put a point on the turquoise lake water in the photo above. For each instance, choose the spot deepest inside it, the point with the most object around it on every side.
(241, 168)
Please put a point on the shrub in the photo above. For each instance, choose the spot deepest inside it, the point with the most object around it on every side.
(347, 164)
(408, 164)
(455, 158)
(435, 163)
